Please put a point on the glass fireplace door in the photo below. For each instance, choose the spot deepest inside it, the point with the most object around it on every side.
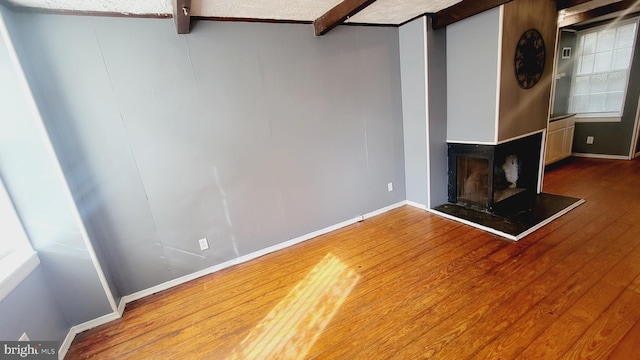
(472, 181)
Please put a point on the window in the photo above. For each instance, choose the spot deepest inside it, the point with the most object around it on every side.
(17, 258)
(601, 70)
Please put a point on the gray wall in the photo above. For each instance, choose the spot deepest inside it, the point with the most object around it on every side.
(563, 85)
(31, 308)
(424, 110)
(472, 72)
(66, 284)
(414, 109)
(247, 134)
(613, 138)
(437, 84)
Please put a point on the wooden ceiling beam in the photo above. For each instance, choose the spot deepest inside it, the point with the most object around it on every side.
(338, 14)
(564, 4)
(463, 10)
(597, 12)
(182, 15)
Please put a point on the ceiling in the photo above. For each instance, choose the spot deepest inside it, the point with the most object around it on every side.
(393, 12)
(389, 12)
(596, 11)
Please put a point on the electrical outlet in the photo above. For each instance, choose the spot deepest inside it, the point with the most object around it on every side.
(204, 244)
(589, 139)
(24, 337)
(390, 187)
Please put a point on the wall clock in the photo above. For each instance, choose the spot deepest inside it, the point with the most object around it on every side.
(529, 59)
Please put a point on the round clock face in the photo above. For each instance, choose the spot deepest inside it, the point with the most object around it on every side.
(529, 59)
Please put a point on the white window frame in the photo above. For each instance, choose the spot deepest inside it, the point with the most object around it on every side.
(21, 260)
(599, 116)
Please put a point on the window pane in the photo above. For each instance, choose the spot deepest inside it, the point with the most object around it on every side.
(614, 101)
(598, 83)
(616, 81)
(596, 102)
(579, 104)
(603, 61)
(12, 235)
(621, 59)
(601, 71)
(606, 40)
(589, 45)
(7, 224)
(5, 247)
(582, 85)
(625, 35)
(586, 64)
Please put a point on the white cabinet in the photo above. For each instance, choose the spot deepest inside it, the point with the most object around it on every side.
(559, 140)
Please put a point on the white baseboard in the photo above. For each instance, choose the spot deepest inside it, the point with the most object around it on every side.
(66, 344)
(377, 212)
(121, 306)
(76, 329)
(416, 205)
(601, 156)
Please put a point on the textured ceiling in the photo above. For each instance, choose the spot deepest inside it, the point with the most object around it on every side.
(117, 6)
(301, 10)
(380, 12)
(398, 11)
(392, 12)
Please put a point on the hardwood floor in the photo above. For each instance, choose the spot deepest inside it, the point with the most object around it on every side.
(409, 284)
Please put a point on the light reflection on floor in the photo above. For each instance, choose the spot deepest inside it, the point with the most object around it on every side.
(294, 324)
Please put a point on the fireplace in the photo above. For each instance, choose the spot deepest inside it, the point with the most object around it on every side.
(496, 188)
(499, 179)
(496, 128)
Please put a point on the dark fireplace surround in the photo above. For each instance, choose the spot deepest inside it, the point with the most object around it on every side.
(500, 179)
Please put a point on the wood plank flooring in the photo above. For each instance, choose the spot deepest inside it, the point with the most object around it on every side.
(409, 284)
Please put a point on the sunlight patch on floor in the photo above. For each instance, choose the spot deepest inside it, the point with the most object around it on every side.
(292, 327)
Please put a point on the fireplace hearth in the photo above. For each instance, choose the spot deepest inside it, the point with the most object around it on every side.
(497, 188)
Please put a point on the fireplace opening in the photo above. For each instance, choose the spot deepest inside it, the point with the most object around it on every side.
(496, 188)
(472, 181)
(499, 178)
